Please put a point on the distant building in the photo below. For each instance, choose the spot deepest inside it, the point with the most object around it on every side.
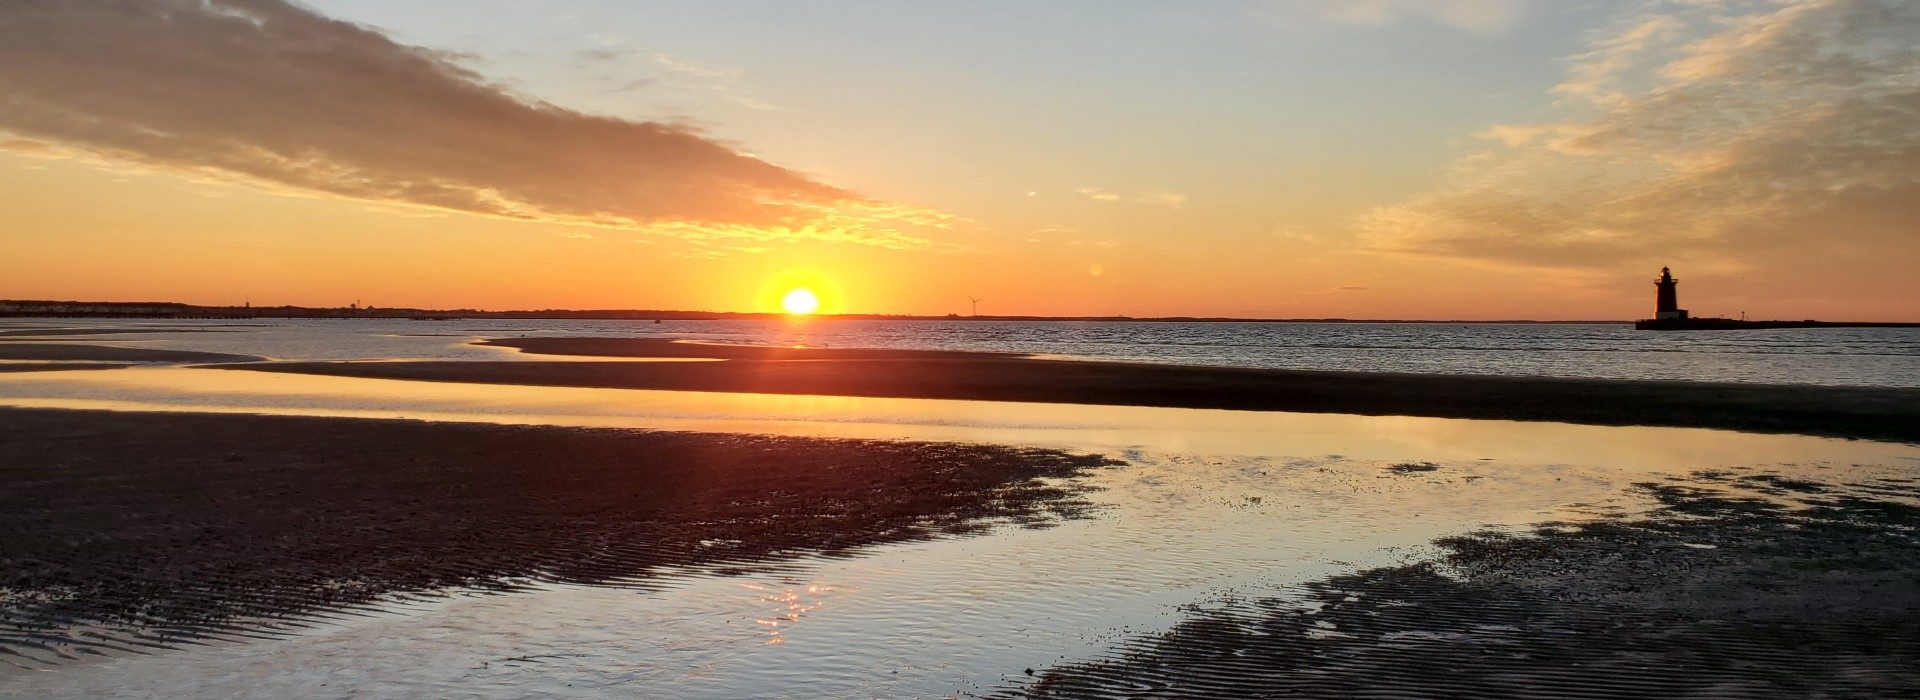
(1667, 305)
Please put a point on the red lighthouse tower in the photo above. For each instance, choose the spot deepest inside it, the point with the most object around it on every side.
(1667, 304)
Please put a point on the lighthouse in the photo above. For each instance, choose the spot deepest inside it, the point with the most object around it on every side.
(1668, 300)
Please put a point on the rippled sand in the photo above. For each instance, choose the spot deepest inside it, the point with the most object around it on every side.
(1225, 567)
(155, 530)
(1735, 585)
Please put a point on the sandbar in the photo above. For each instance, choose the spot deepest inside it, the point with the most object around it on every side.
(1854, 412)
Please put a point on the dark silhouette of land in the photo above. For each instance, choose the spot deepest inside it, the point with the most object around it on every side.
(1861, 412)
(15, 308)
(163, 310)
(1735, 324)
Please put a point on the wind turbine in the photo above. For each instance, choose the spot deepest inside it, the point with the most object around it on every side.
(976, 305)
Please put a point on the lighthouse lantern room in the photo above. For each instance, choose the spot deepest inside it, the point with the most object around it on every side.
(1668, 302)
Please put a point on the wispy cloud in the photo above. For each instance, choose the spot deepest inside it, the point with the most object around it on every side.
(272, 92)
(1470, 15)
(876, 224)
(695, 69)
(1097, 194)
(1750, 134)
(1594, 71)
(633, 85)
(1162, 197)
(719, 81)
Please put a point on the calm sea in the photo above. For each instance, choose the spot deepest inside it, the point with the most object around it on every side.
(1831, 356)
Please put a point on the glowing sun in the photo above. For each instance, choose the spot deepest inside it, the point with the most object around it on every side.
(800, 301)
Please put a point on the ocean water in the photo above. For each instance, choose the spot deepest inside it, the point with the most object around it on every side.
(1825, 356)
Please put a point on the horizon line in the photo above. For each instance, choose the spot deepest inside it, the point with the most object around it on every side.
(159, 309)
(49, 308)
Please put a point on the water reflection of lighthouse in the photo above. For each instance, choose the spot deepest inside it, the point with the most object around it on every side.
(1669, 297)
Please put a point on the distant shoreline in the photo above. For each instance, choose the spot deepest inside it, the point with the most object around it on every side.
(173, 310)
(15, 308)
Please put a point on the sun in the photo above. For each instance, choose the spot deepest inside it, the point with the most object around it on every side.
(800, 301)
(797, 293)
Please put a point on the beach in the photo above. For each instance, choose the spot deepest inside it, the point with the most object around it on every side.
(610, 516)
(169, 528)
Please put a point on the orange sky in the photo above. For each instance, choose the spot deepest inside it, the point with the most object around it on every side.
(183, 158)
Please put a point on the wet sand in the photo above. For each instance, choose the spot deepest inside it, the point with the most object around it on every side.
(69, 352)
(12, 335)
(130, 530)
(1735, 586)
(1872, 413)
(662, 347)
(56, 366)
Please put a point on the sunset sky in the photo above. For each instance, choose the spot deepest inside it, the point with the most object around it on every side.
(1469, 159)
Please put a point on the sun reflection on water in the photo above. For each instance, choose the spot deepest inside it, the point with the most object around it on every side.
(788, 604)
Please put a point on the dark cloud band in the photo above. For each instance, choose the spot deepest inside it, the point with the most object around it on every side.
(276, 92)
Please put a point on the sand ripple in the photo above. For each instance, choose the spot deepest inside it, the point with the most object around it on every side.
(1736, 586)
(129, 531)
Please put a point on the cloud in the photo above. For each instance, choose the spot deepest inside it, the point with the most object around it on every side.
(695, 69)
(1470, 15)
(1098, 195)
(719, 81)
(29, 147)
(877, 225)
(633, 85)
(1162, 198)
(1747, 135)
(1592, 71)
(274, 93)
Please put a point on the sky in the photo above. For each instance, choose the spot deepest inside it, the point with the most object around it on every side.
(1405, 159)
